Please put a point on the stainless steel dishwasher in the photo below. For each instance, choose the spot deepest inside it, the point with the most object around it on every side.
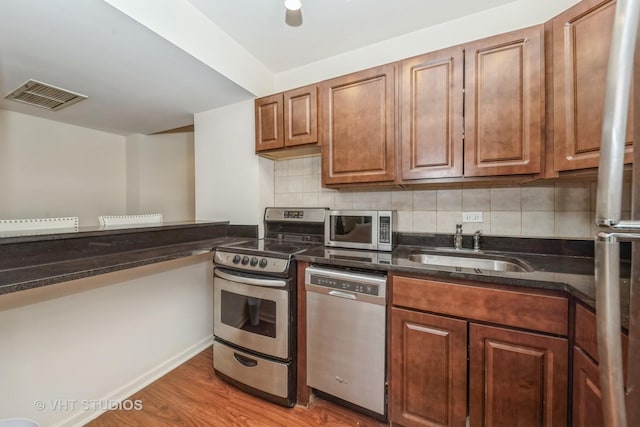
(346, 336)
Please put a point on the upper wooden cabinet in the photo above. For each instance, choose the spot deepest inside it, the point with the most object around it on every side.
(581, 40)
(357, 127)
(287, 119)
(430, 101)
(504, 104)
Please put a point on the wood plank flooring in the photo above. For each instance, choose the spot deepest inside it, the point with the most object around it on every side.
(192, 395)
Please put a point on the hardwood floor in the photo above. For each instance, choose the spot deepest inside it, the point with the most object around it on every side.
(192, 395)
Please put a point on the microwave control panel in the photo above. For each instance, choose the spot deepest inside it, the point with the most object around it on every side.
(384, 233)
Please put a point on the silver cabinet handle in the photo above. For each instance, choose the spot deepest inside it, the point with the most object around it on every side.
(342, 295)
(616, 107)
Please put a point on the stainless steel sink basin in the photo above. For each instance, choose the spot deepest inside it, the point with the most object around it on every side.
(470, 261)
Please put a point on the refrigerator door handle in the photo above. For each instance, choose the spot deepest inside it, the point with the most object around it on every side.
(616, 107)
(607, 276)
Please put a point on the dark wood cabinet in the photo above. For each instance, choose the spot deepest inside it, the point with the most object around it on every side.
(587, 401)
(504, 104)
(516, 378)
(581, 40)
(358, 127)
(430, 102)
(428, 378)
(287, 119)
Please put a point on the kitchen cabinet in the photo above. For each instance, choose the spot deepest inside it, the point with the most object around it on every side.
(430, 102)
(504, 104)
(587, 402)
(286, 120)
(357, 129)
(428, 369)
(581, 40)
(516, 378)
(516, 346)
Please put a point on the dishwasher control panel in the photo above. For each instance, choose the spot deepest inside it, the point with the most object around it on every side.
(345, 285)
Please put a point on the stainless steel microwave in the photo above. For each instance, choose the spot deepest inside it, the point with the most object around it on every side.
(359, 229)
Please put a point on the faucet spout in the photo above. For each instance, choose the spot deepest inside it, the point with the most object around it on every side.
(457, 238)
(476, 240)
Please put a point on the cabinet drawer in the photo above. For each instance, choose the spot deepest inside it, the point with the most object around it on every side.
(587, 334)
(521, 309)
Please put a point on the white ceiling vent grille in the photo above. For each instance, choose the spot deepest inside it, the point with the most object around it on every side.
(44, 95)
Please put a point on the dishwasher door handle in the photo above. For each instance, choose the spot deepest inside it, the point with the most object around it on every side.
(342, 295)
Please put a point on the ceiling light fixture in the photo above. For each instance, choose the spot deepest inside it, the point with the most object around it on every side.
(293, 15)
(292, 4)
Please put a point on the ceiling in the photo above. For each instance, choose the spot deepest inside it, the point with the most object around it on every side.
(138, 82)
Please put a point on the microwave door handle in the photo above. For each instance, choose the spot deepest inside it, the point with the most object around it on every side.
(616, 107)
(607, 277)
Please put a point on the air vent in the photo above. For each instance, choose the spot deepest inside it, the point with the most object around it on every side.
(44, 95)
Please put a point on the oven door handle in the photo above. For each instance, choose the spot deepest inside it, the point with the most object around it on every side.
(272, 283)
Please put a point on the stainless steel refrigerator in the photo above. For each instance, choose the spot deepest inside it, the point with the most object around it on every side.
(620, 404)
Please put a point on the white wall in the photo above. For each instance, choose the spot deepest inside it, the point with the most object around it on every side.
(101, 338)
(51, 169)
(160, 175)
(511, 16)
(231, 181)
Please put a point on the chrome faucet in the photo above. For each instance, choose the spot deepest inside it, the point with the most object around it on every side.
(476, 240)
(457, 238)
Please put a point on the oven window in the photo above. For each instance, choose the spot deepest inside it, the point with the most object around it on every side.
(351, 228)
(250, 314)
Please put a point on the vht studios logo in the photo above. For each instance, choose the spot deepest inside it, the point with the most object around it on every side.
(58, 405)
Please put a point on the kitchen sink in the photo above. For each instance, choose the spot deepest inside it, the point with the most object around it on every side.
(471, 260)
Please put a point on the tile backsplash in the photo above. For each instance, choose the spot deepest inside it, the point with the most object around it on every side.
(560, 209)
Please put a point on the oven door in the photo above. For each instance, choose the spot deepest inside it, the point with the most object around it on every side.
(251, 312)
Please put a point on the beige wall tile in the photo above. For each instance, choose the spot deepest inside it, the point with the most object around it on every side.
(425, 221)
(402, 200)
(281, 168)
(281, 184)
(447, 220)
(476, 199)
(405, 221)
(326, 200)
(506, 199)
(381, 200)
(343, 200)
(449, 200)
(296, 166)
(310, 199)
(310, 183)
(573, 224)
(295, 184)
(362, 200)
(281, 199)
(295, 199)
(506, 223)
(538, 223)
(538, 198)
(425, 200)
(573, 197)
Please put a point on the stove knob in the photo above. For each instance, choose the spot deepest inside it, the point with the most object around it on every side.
(236, 259)
(254, 261)
(245, 260)
(263, 263)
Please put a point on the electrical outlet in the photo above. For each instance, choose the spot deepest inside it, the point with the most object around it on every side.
(472, 217)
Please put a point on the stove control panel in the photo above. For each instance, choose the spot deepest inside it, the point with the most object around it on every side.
(254, 263)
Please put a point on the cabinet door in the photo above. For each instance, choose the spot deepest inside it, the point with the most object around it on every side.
(357, 127)
(581, 40)
(504, 104)
(301, 116)
(269, 113)
(431, 114)
(516, 378)
(428, 378)
(587, 401)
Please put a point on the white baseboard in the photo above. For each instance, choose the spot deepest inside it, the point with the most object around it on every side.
(82, 418)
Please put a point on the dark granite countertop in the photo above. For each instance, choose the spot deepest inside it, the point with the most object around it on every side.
(29, 262)
(556, 270)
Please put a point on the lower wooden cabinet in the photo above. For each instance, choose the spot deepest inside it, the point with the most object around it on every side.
(516, 378)
(428, 379)
(587, 402)
(446, 368)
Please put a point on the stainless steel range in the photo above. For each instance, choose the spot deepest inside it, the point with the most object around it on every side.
(255, 287)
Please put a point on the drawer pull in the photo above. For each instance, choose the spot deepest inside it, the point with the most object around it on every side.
(245, 361)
